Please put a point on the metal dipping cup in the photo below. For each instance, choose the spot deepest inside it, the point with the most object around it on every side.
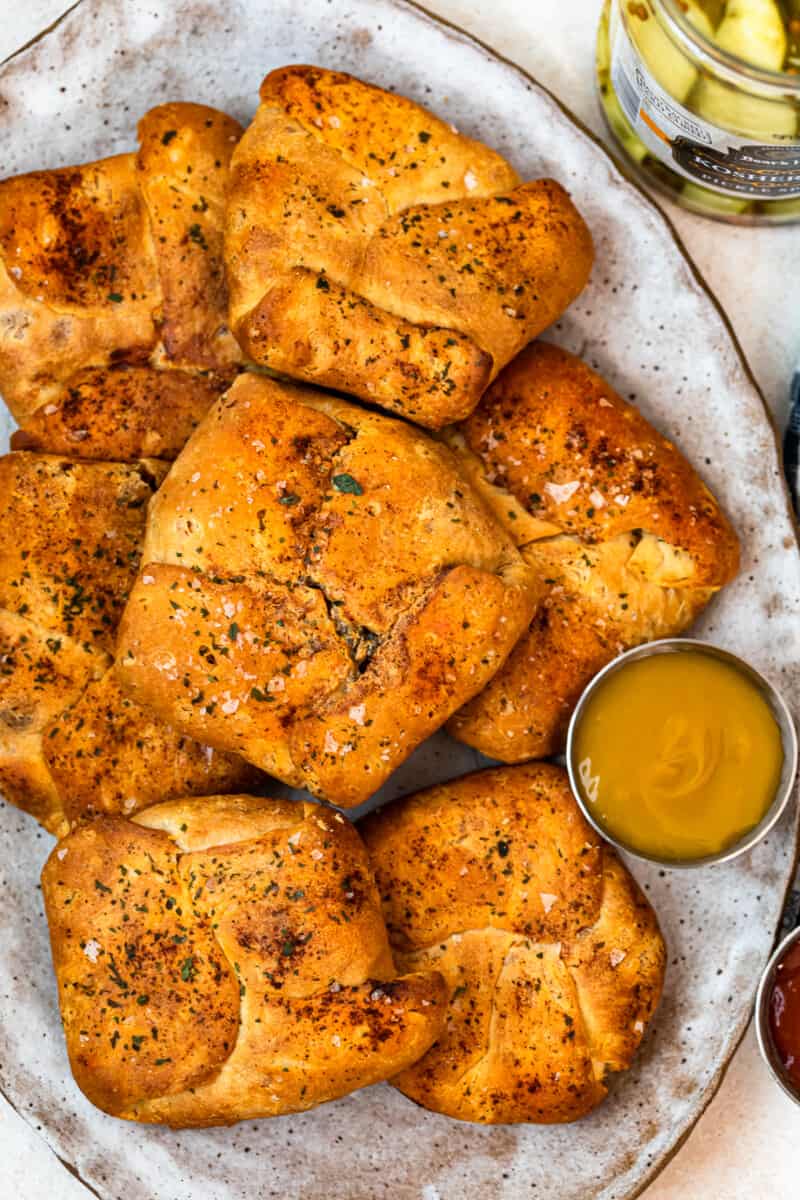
(779, 710)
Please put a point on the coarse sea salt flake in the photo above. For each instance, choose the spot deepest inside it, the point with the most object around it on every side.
(91, 950)
(357, 713)
(561, 492)
(548, 900)
(616, 957)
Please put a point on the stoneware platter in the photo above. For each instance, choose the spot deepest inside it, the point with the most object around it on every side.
(649, 325)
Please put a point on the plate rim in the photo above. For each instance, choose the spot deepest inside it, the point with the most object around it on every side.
(616, 164)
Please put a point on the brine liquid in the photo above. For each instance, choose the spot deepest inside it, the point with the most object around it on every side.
(754, 28)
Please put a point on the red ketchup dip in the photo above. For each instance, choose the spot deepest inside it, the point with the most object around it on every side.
(784, 1014)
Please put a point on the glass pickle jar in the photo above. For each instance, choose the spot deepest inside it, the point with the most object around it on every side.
(718, 132)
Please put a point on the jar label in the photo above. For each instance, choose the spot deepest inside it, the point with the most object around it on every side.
(693, 147)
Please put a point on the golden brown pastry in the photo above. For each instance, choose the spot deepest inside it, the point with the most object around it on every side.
(553, 958)
(70, 742)
(320, 589)
(224, 959)
(121, 414)
(372, 248)
(113, 269)
(627, 541)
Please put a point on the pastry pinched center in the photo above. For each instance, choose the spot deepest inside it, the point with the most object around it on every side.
(226, 958)
(320, 589)
(552, 956)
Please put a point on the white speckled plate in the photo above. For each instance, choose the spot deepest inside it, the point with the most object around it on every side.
(648, 324)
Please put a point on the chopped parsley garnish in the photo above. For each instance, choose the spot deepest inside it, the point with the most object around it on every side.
(116, 978)
(197, 236)
(346, 483)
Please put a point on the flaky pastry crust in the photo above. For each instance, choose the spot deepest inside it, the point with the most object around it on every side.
(372, 248)
(224, 959)
(70, 742)
(111, 275)
(627, 542)
(320, 589)
(553, 958)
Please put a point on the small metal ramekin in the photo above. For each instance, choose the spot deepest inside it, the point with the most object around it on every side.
(763, 1032)
(779, 710)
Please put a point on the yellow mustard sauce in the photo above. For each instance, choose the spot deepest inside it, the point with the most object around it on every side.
(678, 755)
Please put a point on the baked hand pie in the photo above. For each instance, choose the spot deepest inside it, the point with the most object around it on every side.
(553, 958)
(111, 273)
(320, 589)
(70, 742)
(625, 538)
(372, 248)
(224, 959)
